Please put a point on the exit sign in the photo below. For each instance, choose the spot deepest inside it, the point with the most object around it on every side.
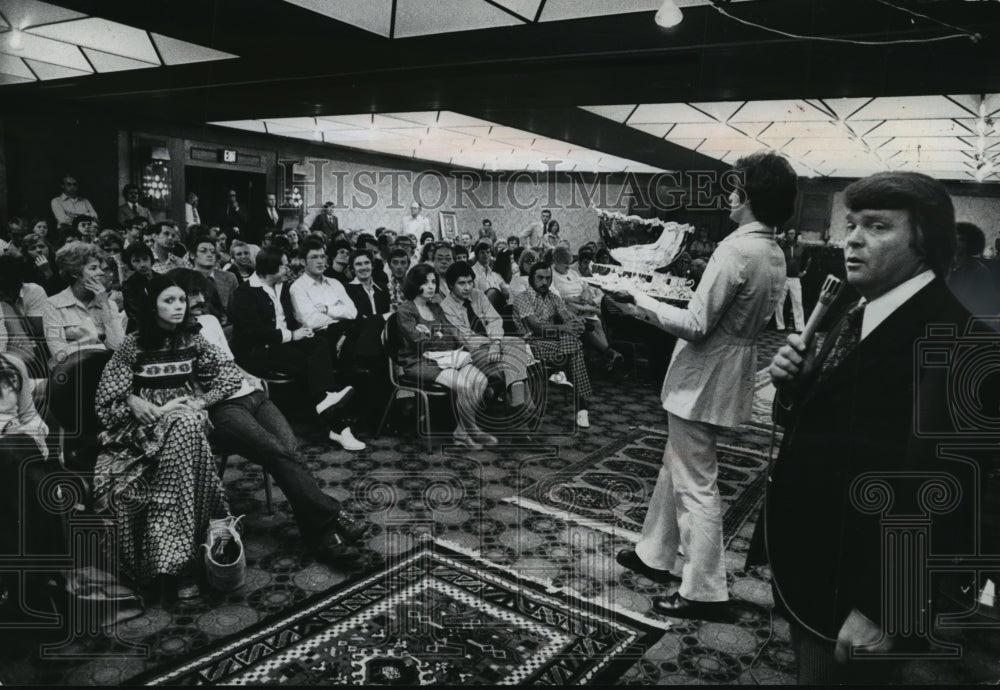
(228, 156)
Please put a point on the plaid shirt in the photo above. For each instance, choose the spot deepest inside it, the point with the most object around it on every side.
(395, 292)
(545, 308)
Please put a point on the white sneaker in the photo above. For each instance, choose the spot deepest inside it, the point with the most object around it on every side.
(346, 439)
(583, 419)
(334, 399)
(560, 378)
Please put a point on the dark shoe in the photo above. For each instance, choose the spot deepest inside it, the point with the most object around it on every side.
(676, 606)
(349, 528)
(332, 550)
(628, 558)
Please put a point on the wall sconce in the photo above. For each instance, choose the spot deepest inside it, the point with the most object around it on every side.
(156, 182)
(668, 15)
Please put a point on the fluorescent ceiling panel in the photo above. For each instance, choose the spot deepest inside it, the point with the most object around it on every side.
(560, 10)
(26, 13)
(371, 15)
(524, 8)
(469, 142)
(421, 18)
(836, 137)
(58, 43)
(102, 34)
(176, 52)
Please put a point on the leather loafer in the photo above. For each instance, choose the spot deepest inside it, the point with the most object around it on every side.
(676, 606)
(332, 550)
(628, 558)
(349, 528)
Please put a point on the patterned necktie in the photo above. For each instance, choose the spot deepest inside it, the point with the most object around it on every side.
(847, 341)
(475, 323)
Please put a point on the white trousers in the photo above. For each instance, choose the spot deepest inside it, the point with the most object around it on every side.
(793, 287)
(685, 512)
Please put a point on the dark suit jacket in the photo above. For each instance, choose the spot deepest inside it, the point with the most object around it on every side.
(265, 224)
(236, 272)
(126, 213)
(824, 550)
(254, 328)
(322, 224)
(367, 336)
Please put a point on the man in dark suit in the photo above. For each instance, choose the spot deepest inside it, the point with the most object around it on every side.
(267, 338)
(233, 216)
(857, 453)
(132, 208)
(326, 222)
(270, 218)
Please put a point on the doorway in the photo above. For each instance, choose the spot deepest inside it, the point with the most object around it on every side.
(212, 187)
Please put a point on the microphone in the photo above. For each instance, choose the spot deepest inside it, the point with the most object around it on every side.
(827, 294)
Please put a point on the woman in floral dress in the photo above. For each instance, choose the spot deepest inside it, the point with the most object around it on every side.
(156, 474)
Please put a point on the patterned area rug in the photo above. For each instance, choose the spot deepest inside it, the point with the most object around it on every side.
(432, 616)
(609, 490)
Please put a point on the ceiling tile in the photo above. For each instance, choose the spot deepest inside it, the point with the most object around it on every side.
(558, 10)
(793, 130)
(46, 49)
(371, 15)
(667, 112)
(46, 70)
(26, 13)
(15, 67)
(655, 130)
(779, 111)
(618, 113)
(525, 8)
(106, 62)
(94, 32)
(421, 18)
(176, 52)
(722, 110)
(920, 128)
(11, 79)
(843, 107)
(909, 108)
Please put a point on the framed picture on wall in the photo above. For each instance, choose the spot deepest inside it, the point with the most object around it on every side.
(448, 225)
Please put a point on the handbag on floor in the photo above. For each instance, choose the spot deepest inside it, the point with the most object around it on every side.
(225, 558)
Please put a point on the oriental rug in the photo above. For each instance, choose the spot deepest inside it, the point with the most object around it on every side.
(430, 616)
(609, 490)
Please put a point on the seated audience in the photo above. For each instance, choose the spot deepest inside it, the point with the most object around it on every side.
(39, 226)
(155, 446)
(488, 281)
(503, 359)
(21, 308)
(243, 262)
(371, 245)
(340, 261)
(322, 303)
(267, 338)
(82, 316)
(519, 284)
(583, 302)
(443, 257)
(139, 258)
(248, 423)
(86, 226)
(460, 252)
(585, 257)
(36, 263)
(220, 284)
(553, 332)
(165, 257)
(399, 264)
(423, 332)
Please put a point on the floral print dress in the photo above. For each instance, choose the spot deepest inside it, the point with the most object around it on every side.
(159, 481)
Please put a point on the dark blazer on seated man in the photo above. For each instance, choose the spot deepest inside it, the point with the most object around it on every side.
(369, 324)
(861, 455)
(255, 327)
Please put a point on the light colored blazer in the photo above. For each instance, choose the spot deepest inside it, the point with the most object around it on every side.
(711, 374)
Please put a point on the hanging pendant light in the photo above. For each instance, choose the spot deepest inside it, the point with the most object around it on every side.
(669, 14)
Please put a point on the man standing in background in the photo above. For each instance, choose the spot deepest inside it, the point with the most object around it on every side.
(415, 224)
(69, 205)
(796, 265)
(532, 236)
(132, 208)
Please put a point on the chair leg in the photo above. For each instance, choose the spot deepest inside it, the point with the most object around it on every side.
(268, 493)
(427, 420)
(385, 415)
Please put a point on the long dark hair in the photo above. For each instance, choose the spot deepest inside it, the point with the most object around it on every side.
(151, 335)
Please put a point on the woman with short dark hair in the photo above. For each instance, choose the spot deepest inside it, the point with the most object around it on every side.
(431, 352)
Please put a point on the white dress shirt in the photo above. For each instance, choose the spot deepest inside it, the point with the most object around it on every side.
(321, 302)
(415, 227)
(487, 278)
(881, 308)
